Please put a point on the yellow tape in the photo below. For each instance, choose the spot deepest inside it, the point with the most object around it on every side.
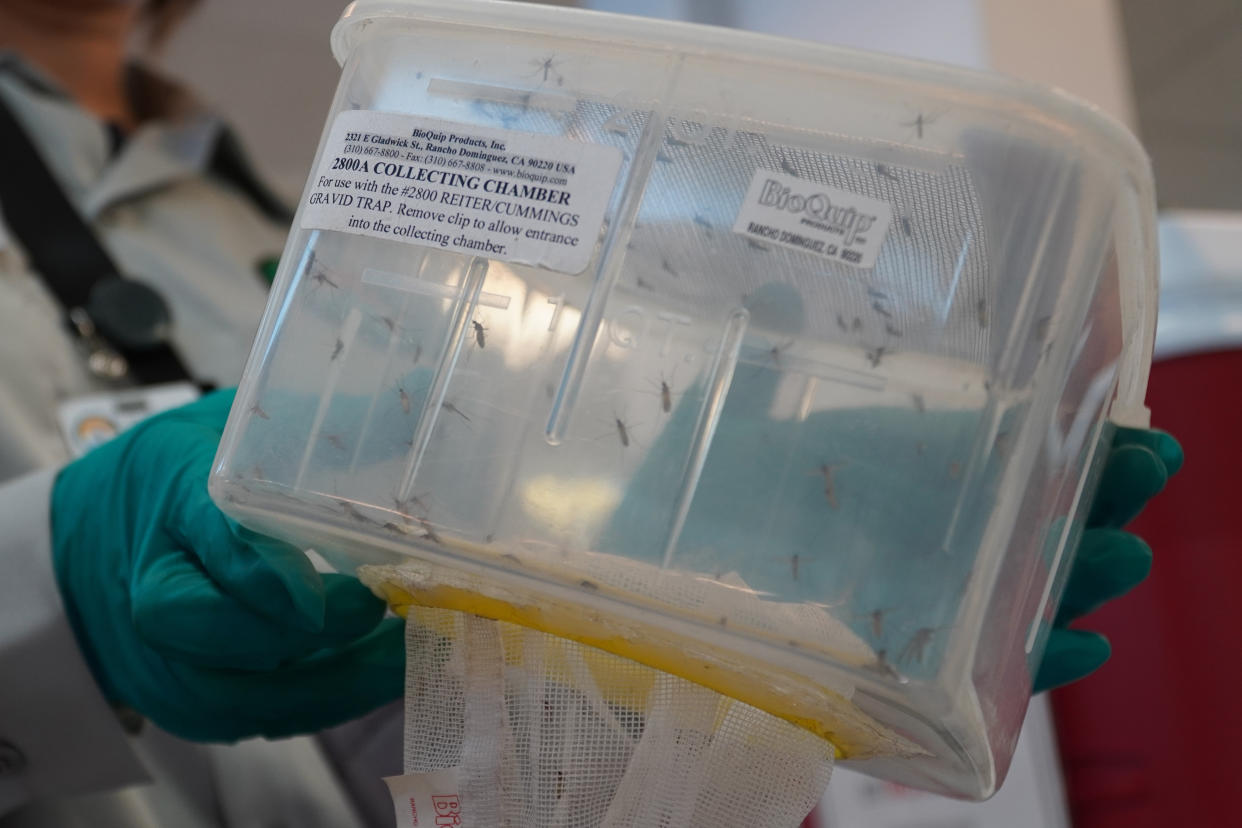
(791, 697)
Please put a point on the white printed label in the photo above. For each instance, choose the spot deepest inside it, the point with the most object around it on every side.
(513, 196)
(92, 420)
(426, 800)
(802, 215)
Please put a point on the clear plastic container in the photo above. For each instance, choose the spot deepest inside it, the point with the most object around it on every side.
(780, 367)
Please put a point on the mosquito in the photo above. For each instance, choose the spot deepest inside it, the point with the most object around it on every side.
(402, 510)
(788, 168)
(774, 353)
(402, 507)
(321, 278)
(623, 432)
(405, 400)
(874, 356)
(877, 622)
(883, 170)
(336, 350)
(548, 67)
(882, 666)
(448, 406)
(479, 331)
(666, 393)
(916, 647)
(429, 532)
(830, 487)
(623, 428)
(352, 511)
(919, 123)
(336, 441)
(257, 411)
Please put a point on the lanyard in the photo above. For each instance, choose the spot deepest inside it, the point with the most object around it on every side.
(123, 323)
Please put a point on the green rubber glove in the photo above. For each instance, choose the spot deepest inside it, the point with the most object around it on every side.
(213, 632)
(1109, 562)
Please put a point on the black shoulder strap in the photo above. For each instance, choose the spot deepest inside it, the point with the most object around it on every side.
(229, 162)
(63, 249)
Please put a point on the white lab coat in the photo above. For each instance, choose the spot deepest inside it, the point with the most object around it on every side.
(198, 238)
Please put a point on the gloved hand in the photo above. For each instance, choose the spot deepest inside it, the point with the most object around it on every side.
(212, 631)
(1109, 562)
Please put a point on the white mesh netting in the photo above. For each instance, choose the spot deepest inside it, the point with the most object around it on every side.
(549, 733)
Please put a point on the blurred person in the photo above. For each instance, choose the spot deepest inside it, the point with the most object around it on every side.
(124, 594)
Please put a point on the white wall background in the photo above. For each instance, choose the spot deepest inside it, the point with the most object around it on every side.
(267, 67)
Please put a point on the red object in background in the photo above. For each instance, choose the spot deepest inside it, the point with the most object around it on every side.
(1154, 738)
